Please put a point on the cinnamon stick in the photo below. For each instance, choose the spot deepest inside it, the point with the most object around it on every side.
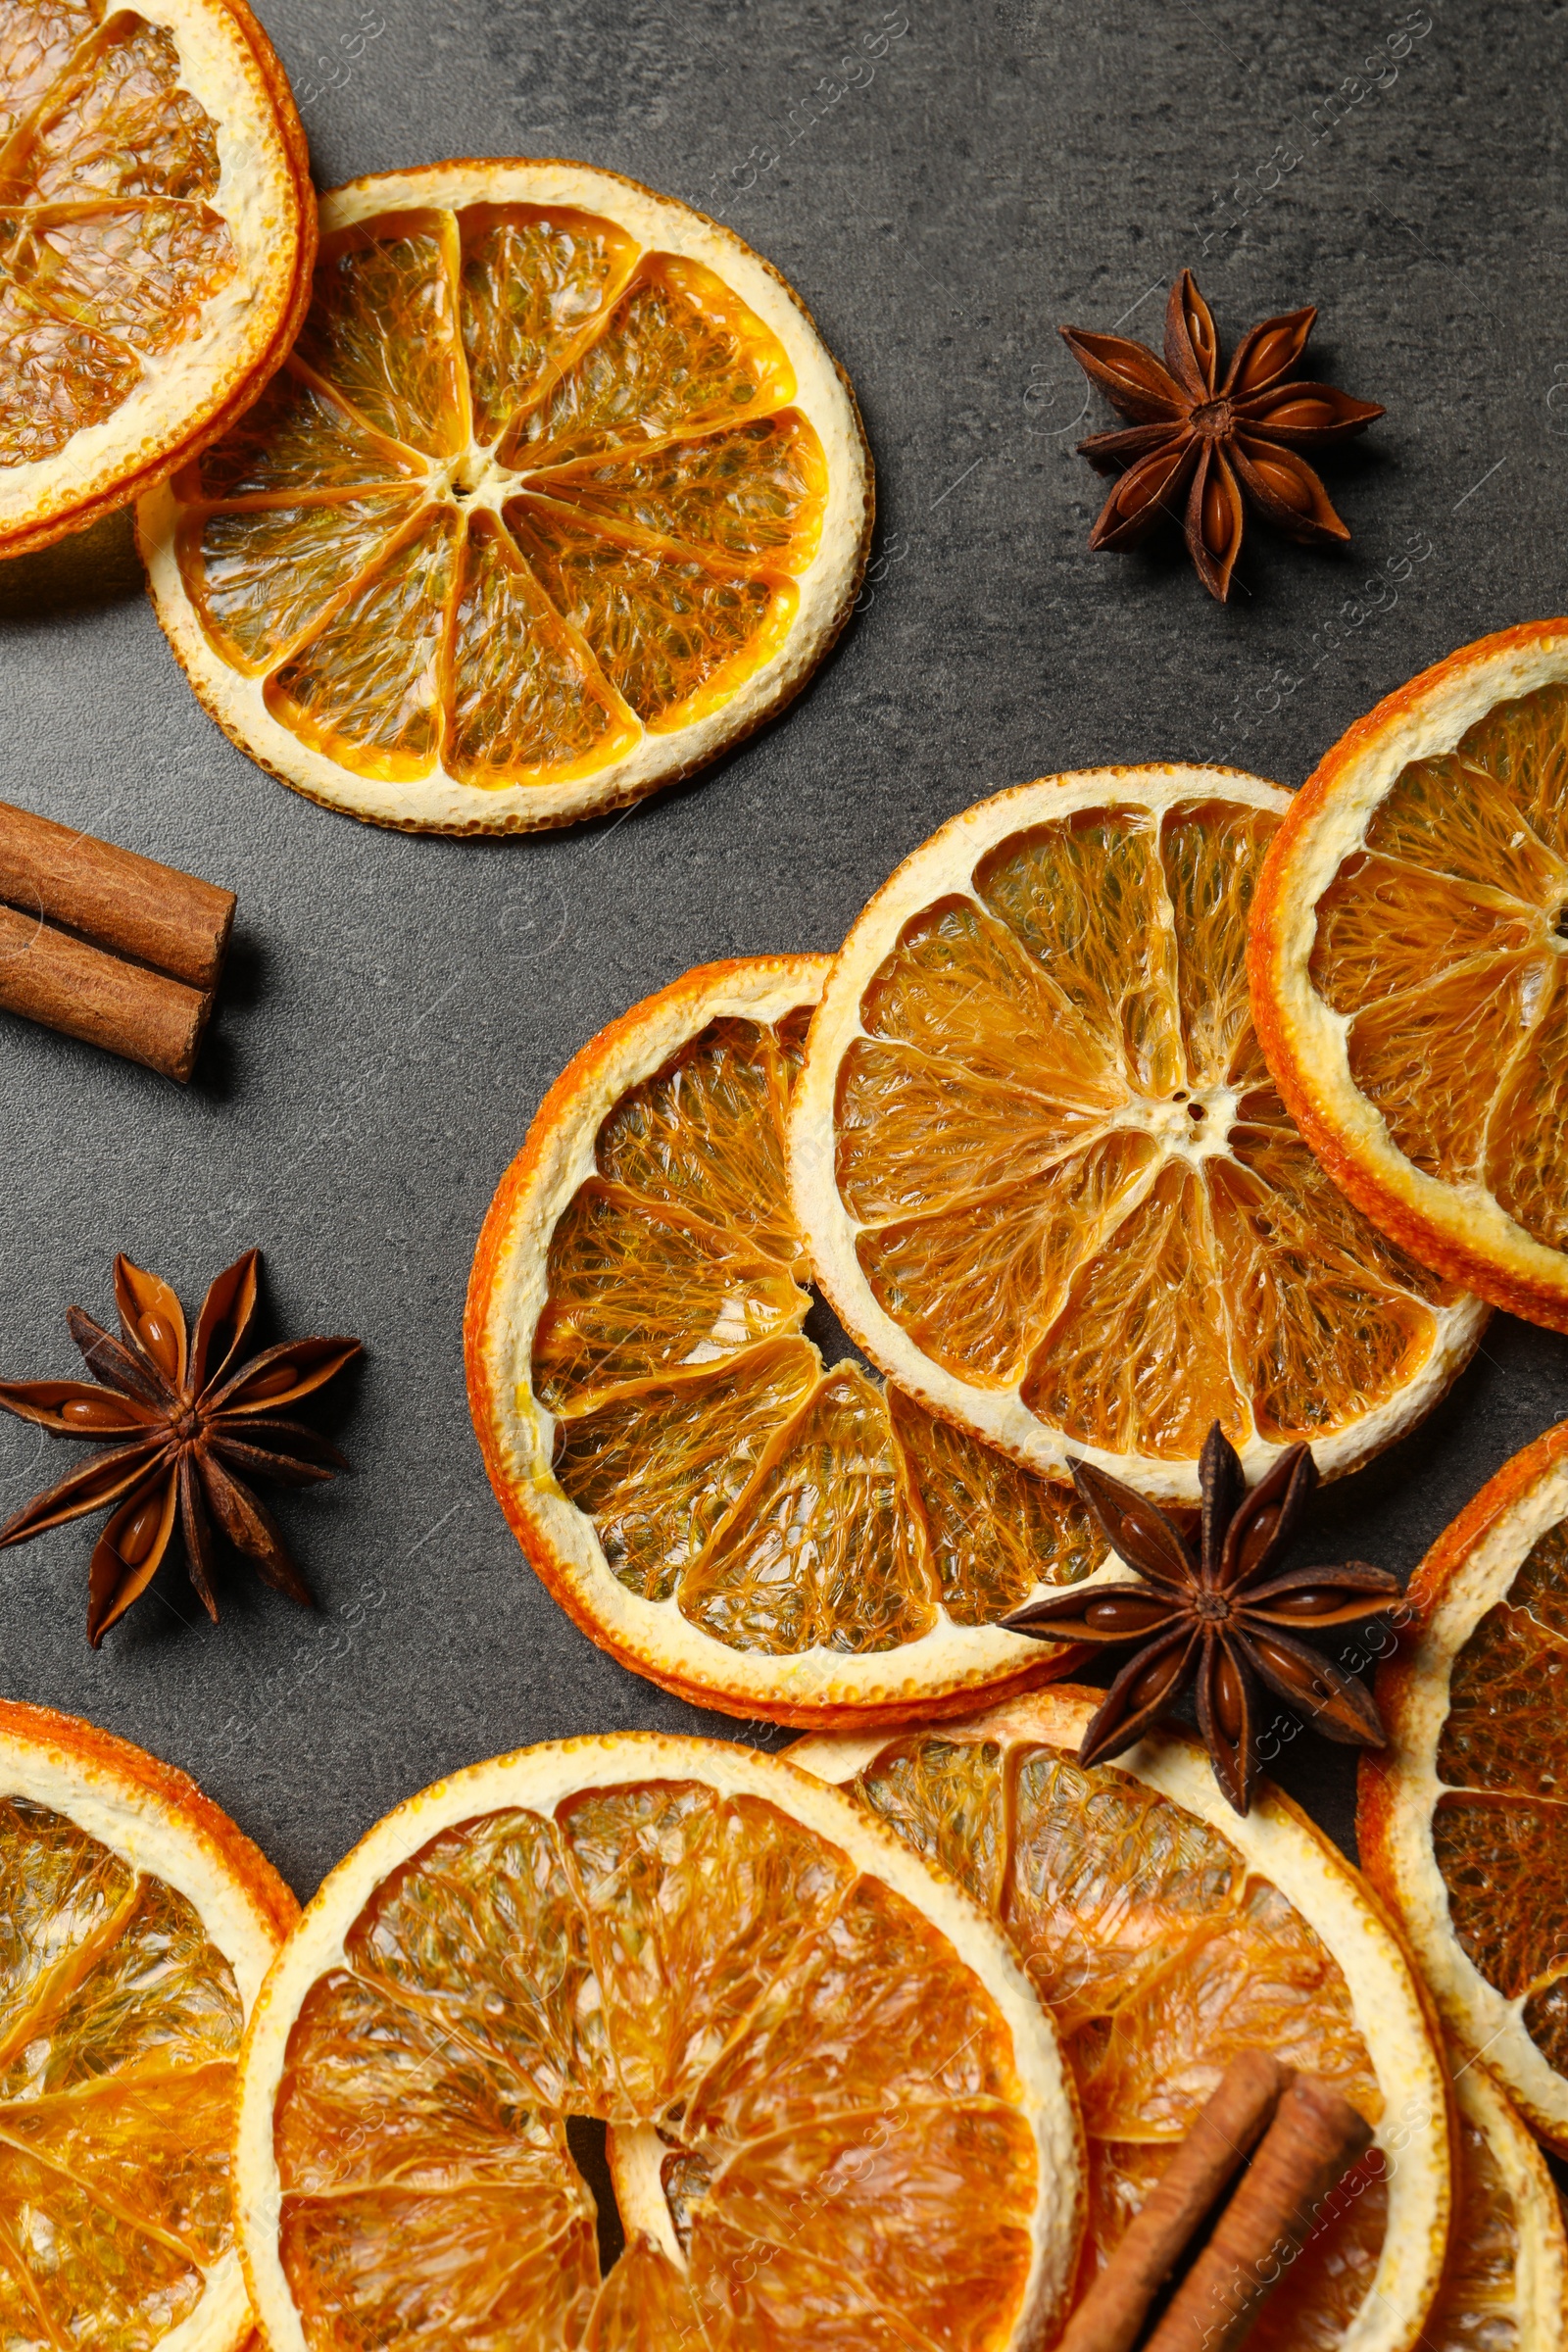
(130, 905)
(1316, 2135)
(108, 945)
(1112, 2315)
(50, 977)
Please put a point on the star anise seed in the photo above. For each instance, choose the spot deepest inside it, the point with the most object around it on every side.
(187, 1423)
(1200, 448)
(1222, 1618)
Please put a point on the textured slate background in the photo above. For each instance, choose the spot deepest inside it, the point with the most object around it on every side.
(397, 1007)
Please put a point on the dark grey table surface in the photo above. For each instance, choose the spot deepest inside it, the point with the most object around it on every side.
(396, 1007)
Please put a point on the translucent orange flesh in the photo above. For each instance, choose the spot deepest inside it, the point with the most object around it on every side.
(1161, 1956)
(120, 2026)
(1444, 940)
(834, 2085)
(1477, 2309)
(643, 496)
(1071, 1173)
(107, 245)
(779, 1505)
(1501, 1830)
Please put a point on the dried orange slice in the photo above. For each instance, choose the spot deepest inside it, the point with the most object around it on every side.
(138, 1927)
(156, 227)
(559, 496)
(1505, 2284)
(1044, 1178)
(1411, 967)
(711, 1503)
(836, 2113)
(1463, 1820)
(1165, 1933)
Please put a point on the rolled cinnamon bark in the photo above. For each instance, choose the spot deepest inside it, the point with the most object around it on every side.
(1316, 2135)
(1112, 2315)
(67, 985)
(129, 904)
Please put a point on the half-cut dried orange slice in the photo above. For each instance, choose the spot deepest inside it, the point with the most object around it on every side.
(713, 1505)
(156, 227)
(138, 1927)
(1505, 2284)
(559, 496)
(1409, 967)
(1043, 1173)
(1463, 1820)
(1165, 1933)
(836, 2113)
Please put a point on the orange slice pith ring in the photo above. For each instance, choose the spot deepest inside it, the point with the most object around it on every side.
(1043, 1175)
(708, 1502)
(156, 231)
(140, 1924)
(559, 496)
(1463, 1821)
(1164, 1932)
(1409, 967)
(836, 2111)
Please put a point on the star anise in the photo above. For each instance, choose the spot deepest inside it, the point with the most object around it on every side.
(190, 1424)
(1222, 1619)
(1200, 448)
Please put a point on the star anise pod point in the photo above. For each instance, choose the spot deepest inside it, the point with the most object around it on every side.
(1200, 446)
(1224, 1617)
(188, 1422)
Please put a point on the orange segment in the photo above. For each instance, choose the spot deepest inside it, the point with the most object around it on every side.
(37, 41)
(368, 682)
(264, 576)
(657, 1467)
(382, 331)
(964, 1486)
(1429, 1059)
(298, 440)
(830, 2092)
(1087, 900)
(823, 1548)
(1408, 966)
(534, 281)
(1046, 1179)
(525, 698)
(1297, 1268)
(679, 352)
(694, 1907)
(119, 125)
(1138, 1360)
(56, 378)
(139, 272)
(673, 572)
(1163, 1946)
(754, 493)
(709, 1496)
(153, 2151)
(1526, 1144)
(673, 636)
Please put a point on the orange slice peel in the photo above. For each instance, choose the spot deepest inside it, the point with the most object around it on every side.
(832, 2100)
(751, 1527)
(1409, 967)
(158, 227)
(1046, 1181)
(1164, 1934)
(142, 1923)
(559, 496)
(1463, 1821)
